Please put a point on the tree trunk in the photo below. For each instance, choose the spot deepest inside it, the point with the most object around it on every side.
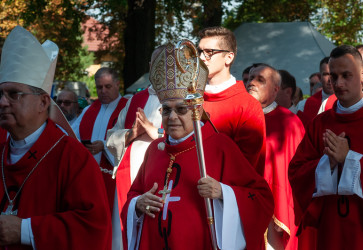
(139, 39)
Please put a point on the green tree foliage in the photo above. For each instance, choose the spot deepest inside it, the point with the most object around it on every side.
(59, 21)
(340, 21)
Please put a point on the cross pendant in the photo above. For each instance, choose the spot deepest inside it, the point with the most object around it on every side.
(164, 192)
(9, 210)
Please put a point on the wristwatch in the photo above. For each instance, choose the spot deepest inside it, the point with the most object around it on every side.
(160, 132)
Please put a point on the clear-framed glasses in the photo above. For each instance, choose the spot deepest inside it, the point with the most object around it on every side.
(66, 103)
(181, 110)
(208, 53)
(14, 96)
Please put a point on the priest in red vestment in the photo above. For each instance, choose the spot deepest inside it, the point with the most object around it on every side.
(232, 110)
(165, 207)
(53, 196)
(313, 103)
(284, 131)
(325, 173)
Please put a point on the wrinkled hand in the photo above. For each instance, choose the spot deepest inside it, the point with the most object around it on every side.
(210, 188)
(136, 131)
(95, 147)
(149, 199)
(146, 124)
(336, 147)
(10, 228)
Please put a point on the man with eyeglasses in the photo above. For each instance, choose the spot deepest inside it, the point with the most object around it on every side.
(67, 100)
(52, 193)
(91, 128)
(232, 110)
(165, 206)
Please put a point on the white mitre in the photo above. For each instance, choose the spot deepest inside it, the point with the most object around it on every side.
(24, 60)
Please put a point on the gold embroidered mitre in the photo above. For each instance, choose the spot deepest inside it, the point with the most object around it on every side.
(167, 78)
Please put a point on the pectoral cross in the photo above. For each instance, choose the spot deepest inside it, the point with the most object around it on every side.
(9, 210)
(164, 192)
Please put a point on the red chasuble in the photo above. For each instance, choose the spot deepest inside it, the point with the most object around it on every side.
(284, 131)
(3, 135)
(65, 196)
(312, 106)
(237, 114)
(85, 132)
(337, 218)
(185, 226)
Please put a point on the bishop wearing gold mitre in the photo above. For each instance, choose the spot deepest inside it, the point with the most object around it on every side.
(165, 207)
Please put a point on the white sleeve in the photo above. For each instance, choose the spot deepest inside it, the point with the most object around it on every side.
(325, 180)
(133, 222)
(350, 182)
(26, 233)
(229, 229)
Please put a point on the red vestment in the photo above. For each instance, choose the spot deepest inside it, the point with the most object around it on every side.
(237, 114)
(186, 225)
(284, 131)
(85, 132)
(338, 219)
(330, 102)
(65, 196)
(312, 106)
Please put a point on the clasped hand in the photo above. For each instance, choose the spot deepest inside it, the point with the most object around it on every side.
(336, 147)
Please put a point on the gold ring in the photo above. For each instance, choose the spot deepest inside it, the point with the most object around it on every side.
(148, 208)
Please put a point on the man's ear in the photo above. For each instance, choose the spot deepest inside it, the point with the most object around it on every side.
(44, 102)
(229, 58)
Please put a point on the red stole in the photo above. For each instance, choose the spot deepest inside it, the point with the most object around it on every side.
(330, 102)
(312, 106)
(85, 132)
(123, 181)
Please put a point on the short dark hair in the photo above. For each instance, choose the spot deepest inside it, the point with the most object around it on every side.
(346, 49)
(288, 81)
(247, 70)
(359, 46)
(107, 71)
(325, 60)
(315, 74)
(227, 38)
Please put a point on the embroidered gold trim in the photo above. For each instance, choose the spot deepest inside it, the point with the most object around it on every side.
(281, 225)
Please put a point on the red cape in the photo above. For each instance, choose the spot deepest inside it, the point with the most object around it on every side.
(237, 114)
(186, 226)
(334, 231)
(65, 196)
(284, 131)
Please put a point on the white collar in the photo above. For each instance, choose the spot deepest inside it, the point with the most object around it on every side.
(351, 109)
(151, 90)
(177, 141)
(214, 89)
(20, 147)
(269, 108)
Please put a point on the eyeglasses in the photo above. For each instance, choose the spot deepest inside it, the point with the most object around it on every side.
(208, 53)
(65, 102)
(182, 110)
(14, 96)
